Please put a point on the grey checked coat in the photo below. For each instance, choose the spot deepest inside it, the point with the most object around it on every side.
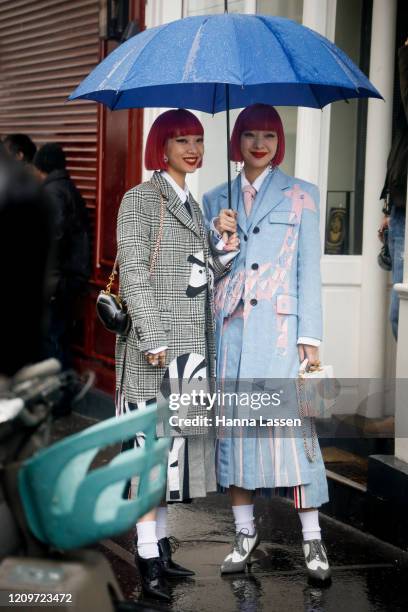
(169, 308)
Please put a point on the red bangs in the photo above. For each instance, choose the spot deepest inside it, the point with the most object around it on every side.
(170, 124)
(258, 117)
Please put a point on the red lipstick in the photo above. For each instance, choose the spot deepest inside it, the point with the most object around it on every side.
(258, 154)
(191, 161)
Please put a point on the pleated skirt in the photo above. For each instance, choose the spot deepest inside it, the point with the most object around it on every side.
(271, 460)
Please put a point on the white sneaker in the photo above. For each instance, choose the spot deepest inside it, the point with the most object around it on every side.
(243, 547)
(317, 564)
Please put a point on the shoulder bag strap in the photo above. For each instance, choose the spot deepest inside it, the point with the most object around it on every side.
(156, 249)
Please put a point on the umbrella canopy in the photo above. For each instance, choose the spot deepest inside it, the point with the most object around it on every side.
(188, 63)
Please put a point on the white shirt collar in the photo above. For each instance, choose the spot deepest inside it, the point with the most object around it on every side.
(182, 193)
(257, 184)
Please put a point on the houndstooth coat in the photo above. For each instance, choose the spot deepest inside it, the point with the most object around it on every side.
(173, 307)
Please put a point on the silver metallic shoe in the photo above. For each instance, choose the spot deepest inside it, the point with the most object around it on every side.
(243, 547)
(317, 563)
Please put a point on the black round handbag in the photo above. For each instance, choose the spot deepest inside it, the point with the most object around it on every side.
(112, 311)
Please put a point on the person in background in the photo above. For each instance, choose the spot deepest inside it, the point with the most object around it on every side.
(394, 192)
(71, 263)
(20, 147)
(25, 242)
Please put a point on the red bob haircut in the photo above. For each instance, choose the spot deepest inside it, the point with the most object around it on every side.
(258, 117)
(170, 124)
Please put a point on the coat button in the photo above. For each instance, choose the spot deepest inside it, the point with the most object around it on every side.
(253, 302)
(245, 238)
(256, 230)
(255, 266)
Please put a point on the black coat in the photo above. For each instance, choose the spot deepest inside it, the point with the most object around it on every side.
(396, 180)
(71, 262)
(25, 242)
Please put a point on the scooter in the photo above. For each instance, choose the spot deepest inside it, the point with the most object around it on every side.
(53, 503)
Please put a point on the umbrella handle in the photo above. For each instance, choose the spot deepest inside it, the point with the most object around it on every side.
(227, 100)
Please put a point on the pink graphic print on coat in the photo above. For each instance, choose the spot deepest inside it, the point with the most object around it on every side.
(271, 277)
(228, 292)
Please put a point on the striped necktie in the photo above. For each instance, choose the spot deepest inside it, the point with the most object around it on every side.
(249, 197)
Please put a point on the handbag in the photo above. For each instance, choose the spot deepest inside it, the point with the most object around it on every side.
(316, 394)
(110, 307)
(384, 258)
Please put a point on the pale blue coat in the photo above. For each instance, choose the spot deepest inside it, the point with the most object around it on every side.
(271, 298)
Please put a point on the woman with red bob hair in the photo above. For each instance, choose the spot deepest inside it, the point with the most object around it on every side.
(268, 322)
(166, 278)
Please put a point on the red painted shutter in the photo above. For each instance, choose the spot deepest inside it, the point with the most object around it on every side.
(46, 48)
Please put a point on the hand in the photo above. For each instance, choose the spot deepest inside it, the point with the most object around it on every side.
(226, 221)
(311, 353)
(156, 359)
(232, 243)
(384, 225)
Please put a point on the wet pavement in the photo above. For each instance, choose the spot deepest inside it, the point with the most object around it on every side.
(368, 575)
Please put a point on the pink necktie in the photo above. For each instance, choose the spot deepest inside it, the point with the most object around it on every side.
(249, 197)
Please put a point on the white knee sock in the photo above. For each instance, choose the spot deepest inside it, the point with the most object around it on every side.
(161, 522)
(310, 525)
(147, 540)
(244, 518)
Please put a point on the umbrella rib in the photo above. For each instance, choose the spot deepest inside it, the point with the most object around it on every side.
(311, 88)
(338, 59)
(117, 98)
(160, 29)
(239, 52)
(276, 36)
(214, 98)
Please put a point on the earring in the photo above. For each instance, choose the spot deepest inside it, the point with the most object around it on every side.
(238, 167)
(166, 159)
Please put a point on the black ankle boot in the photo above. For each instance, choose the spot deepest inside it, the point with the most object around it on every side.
(152, 575)
(166, 547)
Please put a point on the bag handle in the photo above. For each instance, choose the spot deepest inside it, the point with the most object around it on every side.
(155, 253)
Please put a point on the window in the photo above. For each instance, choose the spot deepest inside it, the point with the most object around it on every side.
(345, 184)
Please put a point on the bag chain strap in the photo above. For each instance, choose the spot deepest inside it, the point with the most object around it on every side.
(155, 253)
(304, 409)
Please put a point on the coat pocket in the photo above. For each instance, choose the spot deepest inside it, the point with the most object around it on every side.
(286, 304)
(287, 217)
(143, 326)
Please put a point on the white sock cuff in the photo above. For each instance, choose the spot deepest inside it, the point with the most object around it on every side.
(244, 513)
(161, 522)
(147, 547)
(310, 525)
(244, 518)
(146, 532)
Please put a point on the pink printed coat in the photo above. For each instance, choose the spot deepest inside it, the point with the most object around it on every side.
(276, 274)
(271, 298)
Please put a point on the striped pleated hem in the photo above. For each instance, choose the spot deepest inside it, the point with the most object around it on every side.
(296, 494)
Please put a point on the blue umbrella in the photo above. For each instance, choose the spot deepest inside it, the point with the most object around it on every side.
(212, 63)
(187, 63)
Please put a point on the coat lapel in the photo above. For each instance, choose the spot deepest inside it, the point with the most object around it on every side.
(269, 196)
(174, 204)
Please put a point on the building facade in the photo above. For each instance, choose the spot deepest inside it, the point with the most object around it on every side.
(48, 46)
(46, 49)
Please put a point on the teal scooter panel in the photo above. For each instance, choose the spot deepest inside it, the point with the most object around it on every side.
(68, 506)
